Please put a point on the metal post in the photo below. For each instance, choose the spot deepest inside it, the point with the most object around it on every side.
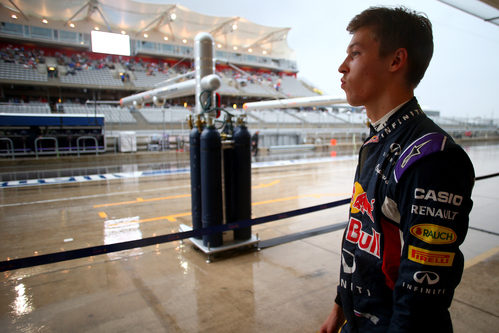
(204, 63)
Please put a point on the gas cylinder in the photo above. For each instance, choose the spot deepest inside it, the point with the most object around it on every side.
(242, 180)
(211, 184)
(195, 155)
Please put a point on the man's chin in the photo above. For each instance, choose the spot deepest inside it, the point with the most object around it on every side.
(353, 102)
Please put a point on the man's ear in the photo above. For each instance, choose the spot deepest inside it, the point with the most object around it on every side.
(399, 60)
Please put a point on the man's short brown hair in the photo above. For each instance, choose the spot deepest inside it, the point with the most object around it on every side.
(396, 28)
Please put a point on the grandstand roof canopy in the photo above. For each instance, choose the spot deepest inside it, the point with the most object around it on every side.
(487, 10)
(175, 22)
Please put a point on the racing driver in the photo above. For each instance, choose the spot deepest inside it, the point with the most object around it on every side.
(400, 257)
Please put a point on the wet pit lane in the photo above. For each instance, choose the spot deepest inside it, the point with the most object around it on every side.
(170, 287)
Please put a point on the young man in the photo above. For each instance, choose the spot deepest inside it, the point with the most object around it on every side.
(411, 196)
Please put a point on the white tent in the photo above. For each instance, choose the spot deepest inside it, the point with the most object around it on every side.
(152, 22)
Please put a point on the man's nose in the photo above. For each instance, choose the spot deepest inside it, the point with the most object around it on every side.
(343, 67)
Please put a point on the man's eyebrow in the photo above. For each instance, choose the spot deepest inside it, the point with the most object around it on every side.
(352, 46)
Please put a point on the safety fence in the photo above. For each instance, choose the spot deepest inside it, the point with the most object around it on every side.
(148, 241)
(52, 147)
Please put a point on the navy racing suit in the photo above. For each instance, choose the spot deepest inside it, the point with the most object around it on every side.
(409, 211)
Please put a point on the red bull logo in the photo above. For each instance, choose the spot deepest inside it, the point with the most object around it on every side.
(374, 139)
(365, 241)
(360, 202)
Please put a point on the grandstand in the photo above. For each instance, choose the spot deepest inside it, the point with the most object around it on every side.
(173, 115)
(111, 114)
(49, 67)
(32, 107)
(20, 72)
(92, 77)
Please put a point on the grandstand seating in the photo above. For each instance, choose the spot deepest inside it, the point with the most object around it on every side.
(349, 117)
(276, 117)
(249, 118)
(93, 77)
(103, 72)
(143, 80)
(30, 66)
(253, 89)
(111, 114)
(263, 85)
(323, 117)
(169, 115)
(448, 121)
(25, 108)
(292, 87)
(117, 115)
(252, 118)
(228, 88)
(13, 71)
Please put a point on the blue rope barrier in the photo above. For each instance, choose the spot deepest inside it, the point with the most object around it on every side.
(50, 258)
(108, 248)
(487, 176)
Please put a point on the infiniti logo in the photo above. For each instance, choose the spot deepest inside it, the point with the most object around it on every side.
(395, 149)
(348, 269)
(427, 277)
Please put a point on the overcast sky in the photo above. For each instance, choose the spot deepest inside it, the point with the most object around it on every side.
(463, 77)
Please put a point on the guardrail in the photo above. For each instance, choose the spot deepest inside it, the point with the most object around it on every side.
(84, 147)
(46, 138)
(11, 147)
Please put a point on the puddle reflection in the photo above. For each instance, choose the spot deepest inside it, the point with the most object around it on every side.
(23, 303)
(122, 230)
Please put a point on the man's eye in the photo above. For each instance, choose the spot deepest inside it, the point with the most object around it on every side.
(354, 54)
